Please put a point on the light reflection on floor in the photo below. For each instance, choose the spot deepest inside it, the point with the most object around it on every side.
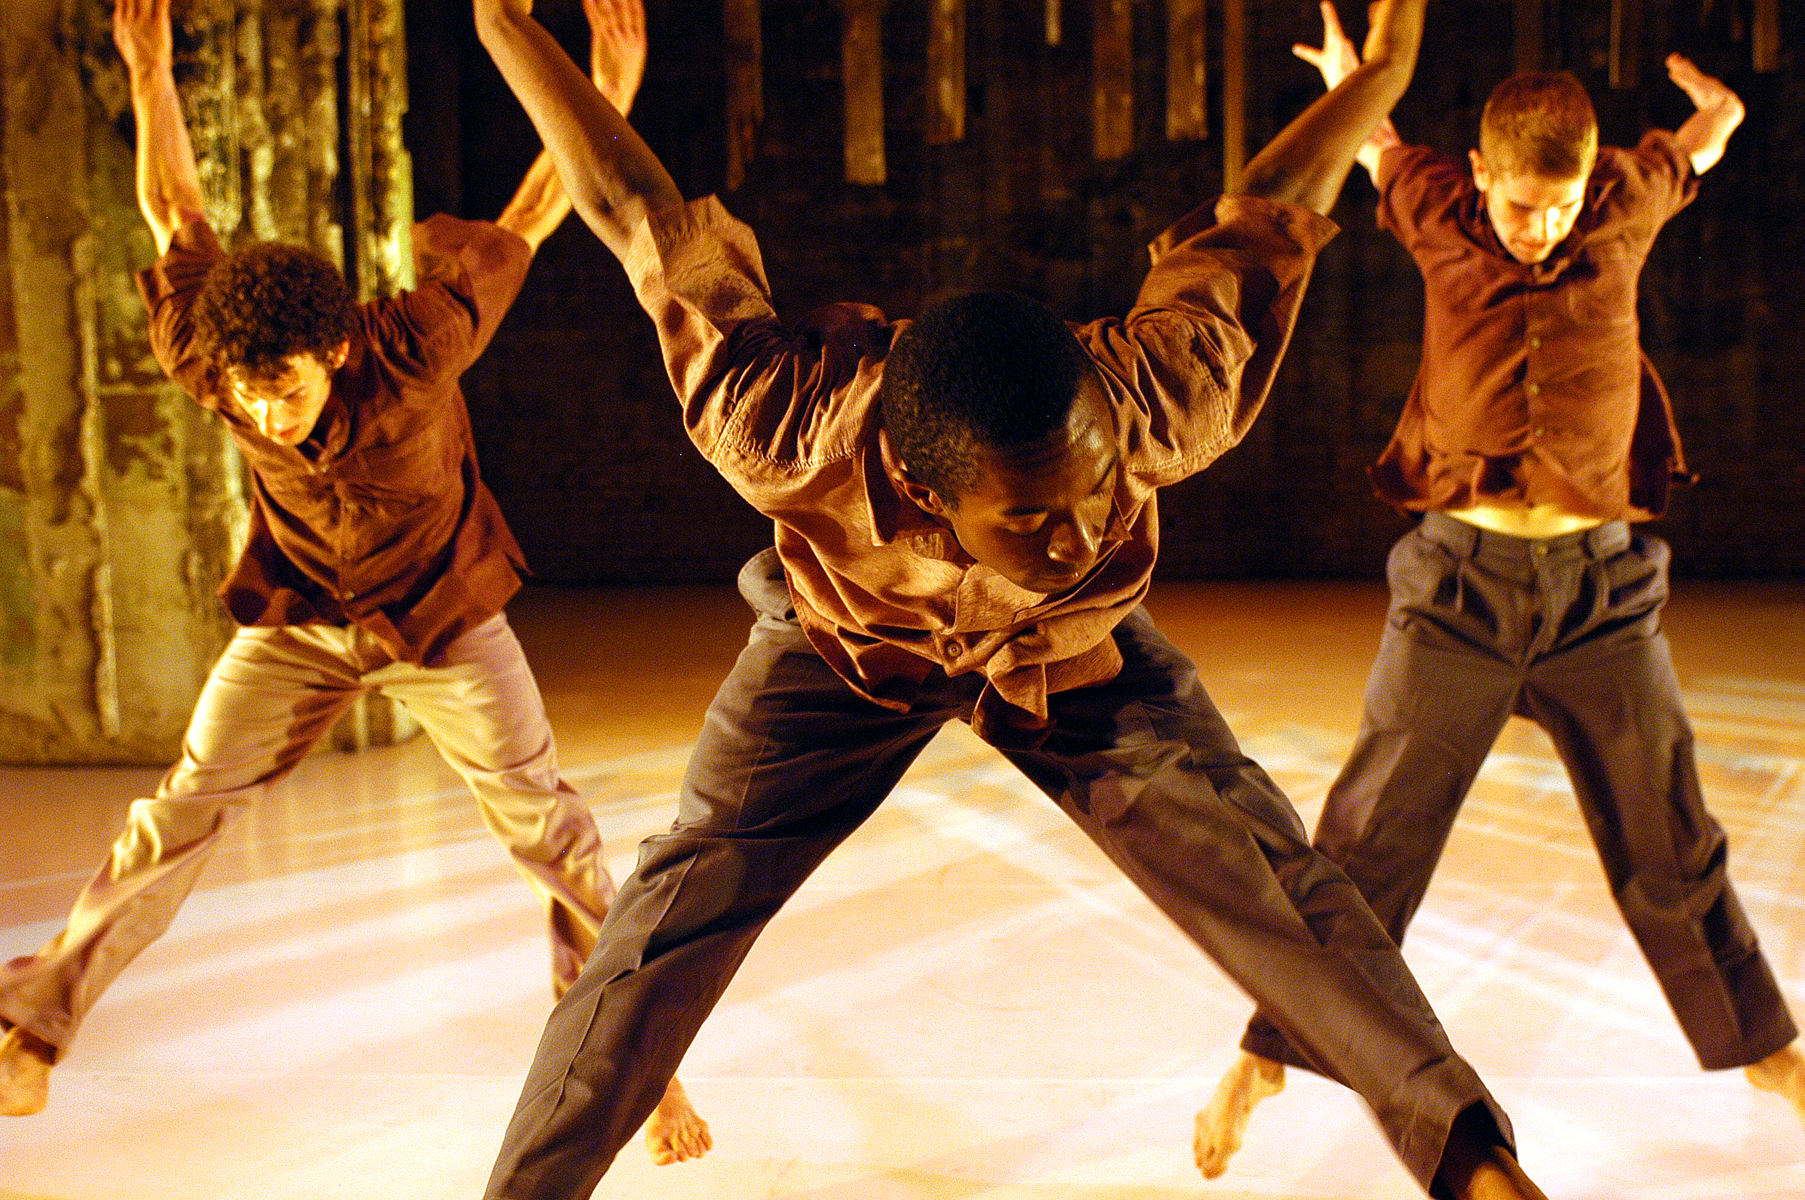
(965, 1002)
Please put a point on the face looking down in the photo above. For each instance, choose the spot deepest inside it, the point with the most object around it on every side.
(1531, 214)
(285, 404)
(1037, 515)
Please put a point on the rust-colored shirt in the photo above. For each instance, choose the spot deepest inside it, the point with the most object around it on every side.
(379, 518)
(1533, 386)
(790, 417)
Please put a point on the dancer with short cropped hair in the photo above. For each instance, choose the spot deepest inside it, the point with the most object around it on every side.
(966, 524)
(1536, 433)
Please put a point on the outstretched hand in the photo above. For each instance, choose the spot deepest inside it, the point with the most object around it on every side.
(1703, 90)
(1337, 58)
(617, 48)
(141, 31)
(1308, 161)
(1720, 111)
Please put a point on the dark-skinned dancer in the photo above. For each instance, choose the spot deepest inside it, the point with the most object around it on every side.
(965, 513)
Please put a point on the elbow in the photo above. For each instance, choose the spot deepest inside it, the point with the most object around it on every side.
(611, 224)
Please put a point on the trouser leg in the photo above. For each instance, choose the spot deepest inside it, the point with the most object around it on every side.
(270, 696)
(790, 761)
(1445, 681)
(482, 709)
(1148, 769)
(1616, 720)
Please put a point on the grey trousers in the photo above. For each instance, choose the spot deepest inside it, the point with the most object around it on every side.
(1566, 632)
(272, 694)
(791, 761)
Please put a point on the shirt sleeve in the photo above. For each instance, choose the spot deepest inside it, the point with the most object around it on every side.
(467, 274)
(1657, 177)
(1418, 188)
(780, 411)
(169, 287)
(1191, 364)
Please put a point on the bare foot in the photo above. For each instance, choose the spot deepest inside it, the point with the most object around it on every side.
(1783, 1071)
(676, 1132)
(1220, 1126)
(24, 1073)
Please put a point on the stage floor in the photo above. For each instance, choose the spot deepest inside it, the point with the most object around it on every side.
(966, 1002)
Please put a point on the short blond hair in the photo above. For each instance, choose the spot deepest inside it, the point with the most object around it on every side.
(1539, 123)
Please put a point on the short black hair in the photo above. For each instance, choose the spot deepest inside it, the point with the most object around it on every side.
(990, 369)
(270, 300)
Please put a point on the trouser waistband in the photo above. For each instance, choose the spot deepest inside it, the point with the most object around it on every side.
(1470, 541)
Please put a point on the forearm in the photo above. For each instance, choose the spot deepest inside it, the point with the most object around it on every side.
(611, 177)
(169, 186)
(1706, 133)
(540, 203)
(1308, 161)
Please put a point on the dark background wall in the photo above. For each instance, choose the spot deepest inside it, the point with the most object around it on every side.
(578, 431)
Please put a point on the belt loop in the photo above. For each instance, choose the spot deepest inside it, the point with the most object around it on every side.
(1454, 534)
(1612, 537)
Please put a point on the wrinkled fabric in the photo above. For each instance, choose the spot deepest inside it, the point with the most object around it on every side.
(1143, 764)
(1566, 632)
(1533, 387)
(380, 518)
(789, 415)
(273, 694)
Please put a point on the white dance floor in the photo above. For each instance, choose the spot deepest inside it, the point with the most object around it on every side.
(965, 1003)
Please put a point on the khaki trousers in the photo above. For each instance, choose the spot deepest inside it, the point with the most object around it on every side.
(273, 694)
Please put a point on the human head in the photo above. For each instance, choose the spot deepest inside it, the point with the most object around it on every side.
(1538, 140)
(1005, 435)
(276, 321)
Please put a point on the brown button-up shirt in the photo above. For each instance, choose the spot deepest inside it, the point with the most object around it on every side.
(379, 518)
(1533, 386)
(790, 417)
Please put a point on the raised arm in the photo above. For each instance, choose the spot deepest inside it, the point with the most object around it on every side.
(1309, 159)
(611, 176)
(1336, 59)
(617, 64)
(169, 183)
(1720, 111)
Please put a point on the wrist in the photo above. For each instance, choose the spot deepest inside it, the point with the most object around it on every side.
(150, 76)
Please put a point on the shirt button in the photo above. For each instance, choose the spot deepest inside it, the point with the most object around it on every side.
(1535, 343)
(1534, 389)
(954, 647)
(1539, 431)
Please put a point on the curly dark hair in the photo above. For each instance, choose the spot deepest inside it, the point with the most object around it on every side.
(269, 300)
(989, 369)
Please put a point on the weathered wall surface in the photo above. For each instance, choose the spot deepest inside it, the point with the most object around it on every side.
(579, 436)
(122, 502)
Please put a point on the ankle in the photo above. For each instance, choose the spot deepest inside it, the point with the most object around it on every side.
(30, 1043)
(1783, 1073)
